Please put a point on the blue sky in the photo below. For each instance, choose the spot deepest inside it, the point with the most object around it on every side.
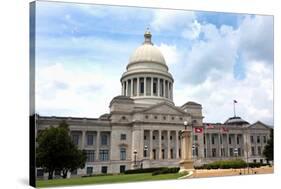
(82, 50)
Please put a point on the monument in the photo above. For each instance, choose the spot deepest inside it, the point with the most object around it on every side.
(186, 162)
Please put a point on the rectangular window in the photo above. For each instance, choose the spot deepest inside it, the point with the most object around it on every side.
(214, 152)
(239, 151)
(104, 155)
(258, 139)
(213, 139)
(122, 153)
(162, 137)
(264, 139)
(153, 137)
(259, 150)
(90, 139)
(145, 153)
(89, 170)
(220, 139)
(144, 137)
(252, 139)
(253, 151)
(229, 139)
(231, 152)
(237, 140)
(104, 169)
(195, 137)
(154, 154)
(171, 137)
(163, 154)
(123, 136)
(103, 139)
(172, 153)
(75, 139)
(90, 154)
(222, 152)
(141, 85)
(205, 152)
(122, 168)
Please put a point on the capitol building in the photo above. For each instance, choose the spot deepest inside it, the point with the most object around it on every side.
(143, 127)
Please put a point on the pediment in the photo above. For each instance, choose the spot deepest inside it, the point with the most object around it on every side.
(164, 108)
(259, 125)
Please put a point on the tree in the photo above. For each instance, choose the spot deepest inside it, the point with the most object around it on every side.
(56, 151)
(268, 149)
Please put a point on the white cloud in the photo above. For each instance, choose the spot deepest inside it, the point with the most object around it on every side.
(171, 54)
(171, 20)
(61, 91)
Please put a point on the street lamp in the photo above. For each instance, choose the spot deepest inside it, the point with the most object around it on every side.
(135, 158)
(185, 124)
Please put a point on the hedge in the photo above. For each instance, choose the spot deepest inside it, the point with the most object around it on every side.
(146, 170)
(166, 170)
(228, 164)
(154, 170)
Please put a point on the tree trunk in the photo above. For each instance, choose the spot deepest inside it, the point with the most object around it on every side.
(50, 176)
(64, 173)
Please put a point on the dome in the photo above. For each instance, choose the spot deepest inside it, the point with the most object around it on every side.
(147, 53)
(147, 79)
(235, 121)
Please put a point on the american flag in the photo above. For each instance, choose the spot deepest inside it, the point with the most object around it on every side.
(198, 130)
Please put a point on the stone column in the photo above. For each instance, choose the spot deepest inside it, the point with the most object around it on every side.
(211, 145)
(172, 95)
(151, 144)
(186, 162)
(159, 144)
(127, 88)
(177, 144)
(144, 90)
(227, 142)
(164, 88)
(169, 148)
(151, 87)
(219, 145)
(98, 144)
(158, 86)
(138, 86)
(169, 90)
(132, 87)
(83, 140)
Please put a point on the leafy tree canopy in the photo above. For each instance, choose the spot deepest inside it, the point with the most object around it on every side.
(56, 151)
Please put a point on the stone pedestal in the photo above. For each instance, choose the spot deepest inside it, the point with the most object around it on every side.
(186, 162)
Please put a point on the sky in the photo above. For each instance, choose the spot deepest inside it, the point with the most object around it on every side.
(82, 51)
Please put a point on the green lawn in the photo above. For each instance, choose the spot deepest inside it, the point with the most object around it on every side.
(106, 179)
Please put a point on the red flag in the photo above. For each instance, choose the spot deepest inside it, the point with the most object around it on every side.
(234, 101)
(198, 130)
(224, 129)
(209, 126)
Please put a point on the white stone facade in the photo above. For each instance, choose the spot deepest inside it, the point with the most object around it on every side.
(144, 126)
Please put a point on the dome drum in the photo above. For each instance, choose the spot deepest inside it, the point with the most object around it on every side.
(147, 79)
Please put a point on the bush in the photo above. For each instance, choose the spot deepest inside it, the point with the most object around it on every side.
(146, 170)
(225, 164)
(166, 170)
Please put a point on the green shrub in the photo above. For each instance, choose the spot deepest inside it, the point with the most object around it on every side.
(146, 170)
(166, 170)
(224, 164)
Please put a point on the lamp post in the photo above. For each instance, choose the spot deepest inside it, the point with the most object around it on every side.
(135, 158)
(185, 124)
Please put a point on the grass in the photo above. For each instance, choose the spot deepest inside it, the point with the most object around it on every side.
(106, 179)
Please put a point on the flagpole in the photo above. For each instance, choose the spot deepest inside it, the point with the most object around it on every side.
(234, 108)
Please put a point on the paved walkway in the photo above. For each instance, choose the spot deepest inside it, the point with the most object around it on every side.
(230, 172)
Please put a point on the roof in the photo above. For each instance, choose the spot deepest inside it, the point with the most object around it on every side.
(235, 121)
(191, 103)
